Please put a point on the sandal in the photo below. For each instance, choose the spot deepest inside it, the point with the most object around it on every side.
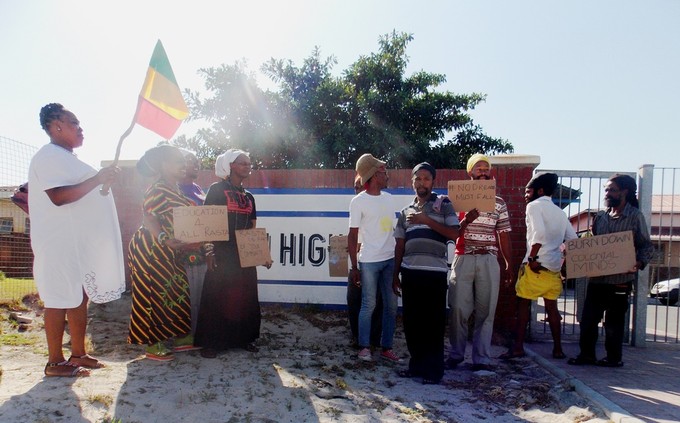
(159, 352)
(65, 369)
(185, 344)
(86, 361)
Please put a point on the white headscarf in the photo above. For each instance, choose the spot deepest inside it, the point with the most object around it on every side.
(222, 168)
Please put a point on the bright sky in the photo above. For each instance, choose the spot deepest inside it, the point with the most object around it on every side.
(585, 85)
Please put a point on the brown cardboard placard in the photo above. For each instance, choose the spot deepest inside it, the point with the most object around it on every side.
(600, 255)
(337, 257)
(468, 195)
(253, 247)
(200, 223)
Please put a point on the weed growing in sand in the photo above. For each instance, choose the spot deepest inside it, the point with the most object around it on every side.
(17, 339)
(340, 383)
(332, 411)
(112, 420)
(206, 396)
(105, 400)
(415, 412)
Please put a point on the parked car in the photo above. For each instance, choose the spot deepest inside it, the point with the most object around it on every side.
(666, 291)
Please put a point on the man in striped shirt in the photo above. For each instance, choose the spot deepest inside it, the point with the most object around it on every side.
(475, 274)
(423, 229)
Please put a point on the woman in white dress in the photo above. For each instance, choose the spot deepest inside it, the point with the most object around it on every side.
(75, 237)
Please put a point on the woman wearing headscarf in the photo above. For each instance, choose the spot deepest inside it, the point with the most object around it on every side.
(75, 237)
(229, 316)
(161, 306)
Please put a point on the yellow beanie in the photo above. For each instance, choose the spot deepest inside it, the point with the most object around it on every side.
(472, 161)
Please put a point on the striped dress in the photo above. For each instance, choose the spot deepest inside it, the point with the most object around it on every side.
(161, 308)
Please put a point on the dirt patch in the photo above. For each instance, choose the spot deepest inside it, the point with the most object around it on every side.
(305, 371)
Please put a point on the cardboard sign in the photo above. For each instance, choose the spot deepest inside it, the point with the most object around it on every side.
(337, 257)
(253, 247)
(600, 255)
(468, 195)
(200, 223)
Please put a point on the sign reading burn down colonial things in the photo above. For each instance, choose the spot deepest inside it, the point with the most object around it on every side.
(600, 255)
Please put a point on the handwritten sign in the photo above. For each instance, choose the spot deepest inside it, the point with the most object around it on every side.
(200, 223)
(468, 195)
(337, 257)
(253, 247)
(600, 255)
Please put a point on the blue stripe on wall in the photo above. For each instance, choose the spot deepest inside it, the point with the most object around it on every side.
(301, 283)
(321, 191)
(268, 213)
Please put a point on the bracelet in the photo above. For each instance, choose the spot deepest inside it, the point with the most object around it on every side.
(162, 237)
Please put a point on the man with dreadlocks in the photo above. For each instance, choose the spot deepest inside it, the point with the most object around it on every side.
(608, 295)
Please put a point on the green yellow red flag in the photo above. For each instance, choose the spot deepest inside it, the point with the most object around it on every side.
(161, 107)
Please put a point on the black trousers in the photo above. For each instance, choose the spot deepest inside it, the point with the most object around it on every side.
(424, 312)
(610, 301)
(353, 308)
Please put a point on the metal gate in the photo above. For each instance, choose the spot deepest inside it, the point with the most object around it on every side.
(654, 313)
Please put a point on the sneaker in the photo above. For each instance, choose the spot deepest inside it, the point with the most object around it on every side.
(365, 355)
(391, 356)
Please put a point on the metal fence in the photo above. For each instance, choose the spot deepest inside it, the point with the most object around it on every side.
(652, 318)
(16, 257)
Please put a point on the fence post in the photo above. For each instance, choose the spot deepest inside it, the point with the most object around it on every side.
(645, 188)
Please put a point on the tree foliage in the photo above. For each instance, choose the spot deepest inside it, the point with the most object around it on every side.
(317, 120)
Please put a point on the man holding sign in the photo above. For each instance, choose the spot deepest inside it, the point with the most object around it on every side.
(608, 295)
(475, 273)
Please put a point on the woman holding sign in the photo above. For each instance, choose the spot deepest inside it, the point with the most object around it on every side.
(229, 316)
(161, 308)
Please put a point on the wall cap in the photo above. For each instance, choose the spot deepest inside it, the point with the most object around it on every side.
(515, 159)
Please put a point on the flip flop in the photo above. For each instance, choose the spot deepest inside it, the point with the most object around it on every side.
(65, 369)
(510, 355)
(159, 352)
(86, 361)
(558, 355)
(182, 348)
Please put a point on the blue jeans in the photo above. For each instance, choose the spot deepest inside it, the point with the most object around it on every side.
(374, 276)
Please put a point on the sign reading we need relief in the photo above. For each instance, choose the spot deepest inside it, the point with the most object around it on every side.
(600, 255)
(200, 223)
(468, 195)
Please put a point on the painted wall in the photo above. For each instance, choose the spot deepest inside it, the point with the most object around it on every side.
(302, 208)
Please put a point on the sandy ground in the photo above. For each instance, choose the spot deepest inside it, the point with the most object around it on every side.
(305, 371)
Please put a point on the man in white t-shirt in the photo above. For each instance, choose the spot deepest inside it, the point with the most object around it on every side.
(371, 217)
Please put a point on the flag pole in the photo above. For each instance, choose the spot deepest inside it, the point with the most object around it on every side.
(104, 190)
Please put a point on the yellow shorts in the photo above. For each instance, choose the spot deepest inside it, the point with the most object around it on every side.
(532, 285)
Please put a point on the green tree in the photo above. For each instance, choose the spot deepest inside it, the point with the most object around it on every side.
(317, 120)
